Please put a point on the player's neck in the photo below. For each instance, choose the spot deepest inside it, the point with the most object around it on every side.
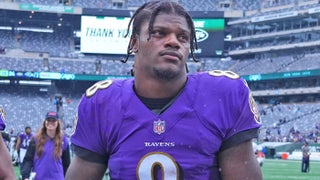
(155, 89)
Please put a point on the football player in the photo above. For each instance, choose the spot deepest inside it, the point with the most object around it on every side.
(165, 123)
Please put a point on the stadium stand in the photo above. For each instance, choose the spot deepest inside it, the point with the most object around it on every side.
(7, 40)
(202, 5)
(56, 44)
(287, 122)
(28, 105)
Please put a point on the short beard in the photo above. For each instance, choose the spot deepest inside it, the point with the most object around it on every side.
(167, 75)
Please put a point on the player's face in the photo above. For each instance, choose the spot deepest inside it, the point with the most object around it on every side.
(164, 55)
(28, 131)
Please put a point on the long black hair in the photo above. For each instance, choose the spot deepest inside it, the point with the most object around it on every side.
(149, 11)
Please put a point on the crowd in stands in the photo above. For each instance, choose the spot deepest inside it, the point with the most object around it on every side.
(290, 122)
(7, 39)
(265, 8)
(57, 44)
(283, 63)
(201, 5)
(116, 67)
(189, 4)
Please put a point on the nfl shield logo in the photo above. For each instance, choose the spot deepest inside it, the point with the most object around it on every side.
(159, 126)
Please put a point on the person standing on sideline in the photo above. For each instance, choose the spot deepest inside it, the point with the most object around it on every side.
(165, 123)
(305, 167)
(6, 167)
(22, 144)
(48, 154)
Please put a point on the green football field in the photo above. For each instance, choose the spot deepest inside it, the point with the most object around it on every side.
(273, 169)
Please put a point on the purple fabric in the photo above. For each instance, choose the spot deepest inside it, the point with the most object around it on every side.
(47, 167)
(2, 123)
(184, 139)
(25, 140)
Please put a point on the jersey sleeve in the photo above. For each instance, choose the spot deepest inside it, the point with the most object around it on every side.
(245, 120)
(227, 105)
(88, 133)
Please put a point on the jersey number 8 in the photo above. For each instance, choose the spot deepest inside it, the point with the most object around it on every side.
(99, 85)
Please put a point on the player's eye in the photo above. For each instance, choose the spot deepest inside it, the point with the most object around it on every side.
(184, 37)
(158, 33)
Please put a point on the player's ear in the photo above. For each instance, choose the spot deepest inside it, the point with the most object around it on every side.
(135, 43)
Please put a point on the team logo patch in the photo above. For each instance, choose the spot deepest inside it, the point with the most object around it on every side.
(159, 126)
(254, 109)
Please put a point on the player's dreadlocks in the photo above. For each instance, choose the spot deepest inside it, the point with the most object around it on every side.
(149, 11)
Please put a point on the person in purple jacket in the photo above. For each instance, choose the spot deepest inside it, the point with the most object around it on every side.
(6, 167)
(165, 123)
(48, 154)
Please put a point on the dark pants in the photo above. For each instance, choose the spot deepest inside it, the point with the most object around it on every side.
(305, 164)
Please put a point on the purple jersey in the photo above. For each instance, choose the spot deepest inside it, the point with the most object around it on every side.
(47, 167)
(183, 141)
(2, 123)
(25, 140)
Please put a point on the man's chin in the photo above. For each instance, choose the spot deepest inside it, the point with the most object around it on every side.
(168, 74)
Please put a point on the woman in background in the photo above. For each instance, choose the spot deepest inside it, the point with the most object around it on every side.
(48, 152)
